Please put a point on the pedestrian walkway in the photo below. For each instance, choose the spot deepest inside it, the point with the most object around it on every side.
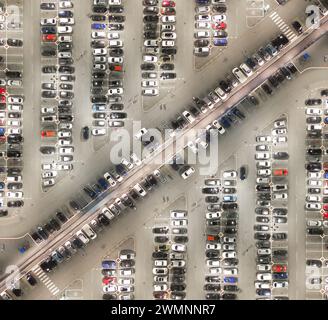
(283, 26)
(45, 280)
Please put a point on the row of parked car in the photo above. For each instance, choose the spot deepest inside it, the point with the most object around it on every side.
(159, 45)
(238, 77)
(57, 91)
(271, 211)
(109, 212)
(107, 71)
(210, 26)
(11, 117)
(169, 260)
(221, 276)
(316, 205)
(118, 277)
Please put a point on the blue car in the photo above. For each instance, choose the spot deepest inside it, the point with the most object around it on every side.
(108, 264)
(103, 183)
(326, 120)
(121, 170)
(325, 176)
(2, 131)
(230, 279)
(2, 185)
(224, 122)
(98, 26)
(220, 41)
(280, 276)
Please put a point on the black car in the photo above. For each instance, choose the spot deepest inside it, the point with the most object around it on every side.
(212, 279)
(279, 236)
(210, 190)
(147, 66)
(115, 9)
(313, 102)
(43, 233)
(150, 18)
(267, 89)
(212, 199)
(315, 231)
(167, 66)
(291, 67)
(118, 115)
(99, 99)
(152, 180)
(286, 73)
(229, 206)
(14, 74)
(229, 296)
(178, 271)
(280, 253)
(75, 205)
(61, 217)
(313, 166)
(181, 239)
(96, 17)
(224, 86)
(178, 279)
(201, 43)
(54, 223)
(65, 14)
(212, 287)
(65, 46)
(46, 30)
(314, 151)
(30, 279)
(231, 288)
(169, 50)
(150, 27)
(263, 259)
(150, 35)
(264, 244)
(273, 81)
(66, 69)
(280, 155)
(98, 44)
(159, 255)
(15, 203)
(85, 132)
(178, 286)
(47, 6)
(262, 236)
(99, 9)
(212, 296)
(313, 120)
(116, 52)
(251, 63)
(49, 69)
(103, 220)
(212, 254)
(168, 75)
(113, 18)
(242, 173)
(48, 52)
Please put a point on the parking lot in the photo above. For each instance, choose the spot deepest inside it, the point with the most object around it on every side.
(231, 149)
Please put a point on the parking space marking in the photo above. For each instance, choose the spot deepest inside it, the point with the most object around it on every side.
(45, 280)
(282, 25)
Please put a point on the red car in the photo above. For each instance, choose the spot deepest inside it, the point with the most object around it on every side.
(168, 11)
(325, 215)
(48, 134)
(116, 67)
(325, 207)
(49, 37)
(280, 172)
(2, 99)
(2, 90)
(279, 268)
(168, 3)
(219, 26)
(108, 280)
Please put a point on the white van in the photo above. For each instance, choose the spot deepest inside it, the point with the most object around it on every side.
(221, 93)
(89, 232)
(140, 190)
(82, 237)
(239, 75)
(106, 212)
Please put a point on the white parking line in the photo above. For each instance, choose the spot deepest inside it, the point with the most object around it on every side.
(45, 280)
(283, 26)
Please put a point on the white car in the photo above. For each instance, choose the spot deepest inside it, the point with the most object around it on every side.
(66, 150)
(187, 173)
(277, 132)
(48, 110)
(280, 196)
(150, 92)
(160, 287)
(114, 2)
(48, 182)
(125, 281)
(48, 166)
(65, 29)
(150, 58)
(188, 116)
(229, 254)
(64, 167)
(98, 35)
(264, 276)
(262, 155)
(192, 147)
(15, 107)
(15, 99)
(202, 34)
(177, 247)
(16, 195)
(230, 174)
(262, 180)
(168, 19)
(279, 187)
(135, 159)
(314, 183)
(113, 35)
(168, 43)
(126, 272)
(48, 22)
(99, 132)
(14, 131)
(202, 25)
(219, 18)
(230, 272)
(202, 17)
(213, 246)
(263, 251)
(312, 206)
(65, 39)
(262, 285)
(313, 198)
(178, 214)
(215, 270)
(100, 66)
(178, 263)
(149, 83)
(99, 52)
(280, 139)
(115, 60)
(263, 139)
(263, 267)
(244, 68)
(66, 21)
(110, 288)
(179, 223)
(64, 134)
(160, 271)
(114, 91)
(160, 263)
(229, 240)
(127, 163)
(213, 215)
(14, 83)
(65, 4)
(263, 164)
(280, 284)
(202, 51)
(229, 246)
(264, 172)
(203, 9)
(14, 123)
(280, 124)
(313, 223)
(49, 174)
(313, 111)
(115, 43)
